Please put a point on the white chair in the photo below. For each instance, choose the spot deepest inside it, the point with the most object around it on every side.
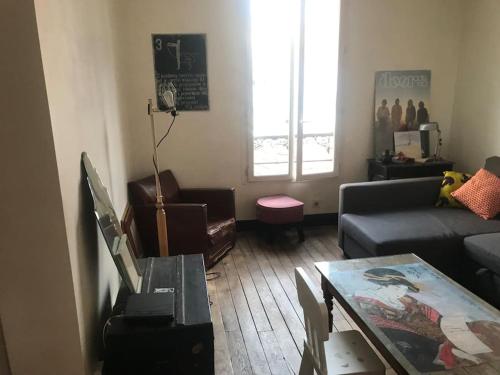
(330, 353)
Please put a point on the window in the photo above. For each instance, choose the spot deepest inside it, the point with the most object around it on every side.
(294, 75)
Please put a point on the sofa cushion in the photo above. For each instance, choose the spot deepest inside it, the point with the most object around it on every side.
(485, 250)
(464, 222)
(481, 194)
(396, 231)
(416, 230)
(493, 165)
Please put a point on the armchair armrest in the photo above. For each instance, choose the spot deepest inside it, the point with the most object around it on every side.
(220, 202)
(187, 226)
(365, 197)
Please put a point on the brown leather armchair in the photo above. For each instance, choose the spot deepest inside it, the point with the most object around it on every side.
(198, 220)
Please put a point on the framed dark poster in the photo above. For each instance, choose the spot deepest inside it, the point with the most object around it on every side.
(182, 60)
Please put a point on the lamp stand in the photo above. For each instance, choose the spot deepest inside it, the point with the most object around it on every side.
(437, 150)
(161, 217)
(437, 153)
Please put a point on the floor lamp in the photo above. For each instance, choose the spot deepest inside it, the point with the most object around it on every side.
(167, 95)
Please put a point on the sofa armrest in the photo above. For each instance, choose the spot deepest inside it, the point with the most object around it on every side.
(376, 196)
(187, 226)
(220, 202)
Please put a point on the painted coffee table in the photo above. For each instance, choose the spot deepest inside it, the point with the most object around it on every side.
(420, 320)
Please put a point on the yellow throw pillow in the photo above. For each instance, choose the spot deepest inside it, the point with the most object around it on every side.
(451, 182)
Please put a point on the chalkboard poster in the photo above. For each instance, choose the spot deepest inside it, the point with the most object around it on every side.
(182, 60)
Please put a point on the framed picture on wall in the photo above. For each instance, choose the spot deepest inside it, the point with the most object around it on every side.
(182, 60)
(401, 104)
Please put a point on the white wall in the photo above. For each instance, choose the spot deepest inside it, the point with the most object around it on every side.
(209, 148)
(78, 52)
(37, 302)
(476, 115)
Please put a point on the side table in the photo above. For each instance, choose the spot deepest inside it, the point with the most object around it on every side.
(380, 171)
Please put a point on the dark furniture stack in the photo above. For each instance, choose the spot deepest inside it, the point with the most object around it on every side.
(161, 321)
(399, 216)
(377, 170)
(198, 220)
(153, 346)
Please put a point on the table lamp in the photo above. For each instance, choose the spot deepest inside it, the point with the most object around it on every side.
(168, 97)
(434, 126)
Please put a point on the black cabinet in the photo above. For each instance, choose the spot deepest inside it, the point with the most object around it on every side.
(380, 171)
(150, 346)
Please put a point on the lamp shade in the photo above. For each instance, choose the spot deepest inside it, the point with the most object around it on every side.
(431, 126)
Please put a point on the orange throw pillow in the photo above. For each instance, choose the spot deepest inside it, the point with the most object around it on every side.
(481, 194)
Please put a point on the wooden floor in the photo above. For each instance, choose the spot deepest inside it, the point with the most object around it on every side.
(258, 322)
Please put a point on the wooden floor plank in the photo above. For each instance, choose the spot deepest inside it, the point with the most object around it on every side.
(275, 358)
(321, 249)
(313, 253)
(281, 252)
(290, 316)
(331, 242)
(253, 345)
(285, 339)
(284, 278)
(254, 303)
(293, 255)
(302, 256)
(222, 356)
(226, 305)
(239, 358)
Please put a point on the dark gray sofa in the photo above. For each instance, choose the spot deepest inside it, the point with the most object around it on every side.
(398, 216)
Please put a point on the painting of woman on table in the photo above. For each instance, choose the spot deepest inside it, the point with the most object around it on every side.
(429, 340)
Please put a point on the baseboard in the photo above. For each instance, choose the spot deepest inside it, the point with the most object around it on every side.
(309, 221)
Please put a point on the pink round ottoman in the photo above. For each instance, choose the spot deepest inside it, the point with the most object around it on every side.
(280, 210)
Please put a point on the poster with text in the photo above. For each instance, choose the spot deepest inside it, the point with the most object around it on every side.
(182, 60)
(401, 104)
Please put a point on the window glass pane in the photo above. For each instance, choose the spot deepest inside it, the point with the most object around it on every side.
(270, 155)
(317, 153)
(321, 44)
(271, 36)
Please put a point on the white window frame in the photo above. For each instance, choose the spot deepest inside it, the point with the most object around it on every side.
(296, 115)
